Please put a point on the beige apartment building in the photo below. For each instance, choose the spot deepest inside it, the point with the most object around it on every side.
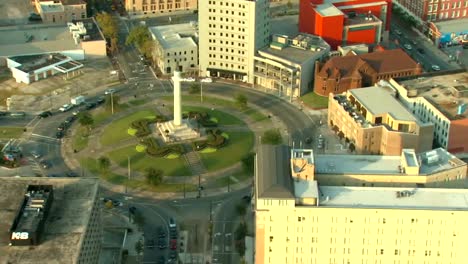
(442, 100)
(231, 32)
(373, 121)
(299, 220)
(146, 7)
(286, 67)
(61, 11)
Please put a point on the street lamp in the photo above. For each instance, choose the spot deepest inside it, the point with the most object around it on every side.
(112, 102)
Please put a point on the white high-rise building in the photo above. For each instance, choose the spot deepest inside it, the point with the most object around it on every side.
(231, 31)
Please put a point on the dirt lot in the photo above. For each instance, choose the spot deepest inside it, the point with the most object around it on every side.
(55, 91)
(14, 12)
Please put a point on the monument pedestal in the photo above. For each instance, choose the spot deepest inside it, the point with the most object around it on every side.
(173, 133)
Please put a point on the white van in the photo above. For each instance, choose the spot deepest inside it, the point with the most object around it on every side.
(78, 100)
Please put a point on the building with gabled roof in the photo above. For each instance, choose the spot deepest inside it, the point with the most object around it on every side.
(339, 74)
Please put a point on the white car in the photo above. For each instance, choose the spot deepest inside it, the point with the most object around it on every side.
(207, 80)
(65, 107)
(190, 79)
(408, 46)
(109, 91)
(435, 67)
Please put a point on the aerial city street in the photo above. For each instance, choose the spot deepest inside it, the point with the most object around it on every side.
(233, 131)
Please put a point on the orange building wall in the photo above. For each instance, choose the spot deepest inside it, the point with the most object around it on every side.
(361, 36)
(330, 28)
(458, 136)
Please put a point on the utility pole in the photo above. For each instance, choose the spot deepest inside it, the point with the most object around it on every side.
(199, 186)
(201, 92)
(211, 211)
(112, 102)
(129, 173)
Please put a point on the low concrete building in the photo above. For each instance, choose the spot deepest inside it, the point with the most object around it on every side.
(148, 7)
(32, 68)
(373, 121)
(67, 229)
(62, 11)
(287, 65)
(176, 46)
(442, 100)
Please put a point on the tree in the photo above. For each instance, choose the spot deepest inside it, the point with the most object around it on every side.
(194, 88)
(109, 28)
(241, 101)
(289, 5)
(140, 37)
(352, 147)
(241, 210)
(85, 119)
(103, 164)
(272, 137)
(248, 162)
(341, 135)
(154, 176)
(239, 235)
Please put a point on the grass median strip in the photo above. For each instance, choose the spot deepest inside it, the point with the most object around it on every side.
(11, 132)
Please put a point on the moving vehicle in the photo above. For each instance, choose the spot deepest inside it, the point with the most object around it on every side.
(90, 105)
(78, 100)
(35, 154)
(207, 80)
(172, 223)
(72, 174)
(109, 91)
(59, 134)
(173, 244)
(435, 67)
(45, 164)
(65, 107)
(162, 243)
(45, 114)
(421, 50)
(149, 243)
(408, 46)
(161, 233)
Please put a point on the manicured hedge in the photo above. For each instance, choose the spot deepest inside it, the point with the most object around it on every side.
(215, 140)
(141, 125)
(153, 148)
(202, 118)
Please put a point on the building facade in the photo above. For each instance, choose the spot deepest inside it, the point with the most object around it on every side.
(176, 47)
(231, 32)
(286, 67)
(61, 12)
(373, 127)
(440, 100)
(340, 74)
(434, 10)
(147, 7)
(451, 32)
(299, 220)
(346, 22)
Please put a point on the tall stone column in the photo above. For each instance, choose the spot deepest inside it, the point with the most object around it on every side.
(176, 79)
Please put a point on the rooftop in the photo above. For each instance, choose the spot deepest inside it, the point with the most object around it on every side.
(293, 51)
(51, 6)
(361, 19)
(456, 25)
(273, 173)
(402, 198)
(383, 165)
(65, 225)
(35, 39)
(176, 36)
(445, 91)
(328, 9)
(372, 97)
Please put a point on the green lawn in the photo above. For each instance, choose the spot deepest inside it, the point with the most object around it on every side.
(224, 119)
(315, 101)
(80, 139)
(100, 116)
(117, 130)
(255, 115)
(141, 161)
(138, 102)
(206, 100)
(11, 132)
(239, 145)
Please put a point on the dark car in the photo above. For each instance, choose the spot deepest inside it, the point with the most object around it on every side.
(161, 260)
(34, 17)
(45, 164)
(173, 255)
(173, 244)
(173, 233)
(161, 233)
(63, 126)
(247, 198)
(421, 50)
(90, 105)
(45, 114)
(150, 243)
(132, 209)
(59, 134)
(162, 243)
(53, 175)
(72, 174)
(100, 100)
(70, 119)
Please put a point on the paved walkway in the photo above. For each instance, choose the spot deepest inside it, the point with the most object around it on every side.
(95, 150)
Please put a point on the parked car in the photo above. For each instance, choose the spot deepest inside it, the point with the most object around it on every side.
(408, 46)
(161, 233)
(63, 126)
(414, 42)
(435, 67)
(45, 114)
(70, 119)
(161, 260)
(172, 223)
(100, 100)
(90, 105)
(35, 154)
(173, 256)
(132, 209)
(189, 79)
(34, 17)
(117, 203)
(173, 233)
(173, 244)
(65, 107)
(71, 174)
(76, 112)
(207, 80)
(59, 134)
(53, 175)
(421, 50)
(17, 114)
(45, 164)
(149, 243)
(109, 91)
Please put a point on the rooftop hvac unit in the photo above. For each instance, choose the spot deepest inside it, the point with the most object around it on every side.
(432, 159)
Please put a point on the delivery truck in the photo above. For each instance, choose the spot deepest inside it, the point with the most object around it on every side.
(78, 100)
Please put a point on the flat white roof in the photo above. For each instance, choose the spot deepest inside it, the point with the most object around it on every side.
(50, 6)
(175, 36)
(384, 197)
(357, 164)
(328, 9)
(305, 188)
(346, 7)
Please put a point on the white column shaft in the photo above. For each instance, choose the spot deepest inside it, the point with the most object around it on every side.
(177, 99)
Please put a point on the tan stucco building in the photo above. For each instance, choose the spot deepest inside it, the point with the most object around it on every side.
(375, 122)
(147, 7)
(300, 220)
(61, 12)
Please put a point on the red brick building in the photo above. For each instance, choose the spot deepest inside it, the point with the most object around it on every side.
(430, 10)
(345, 22)
(340, 74)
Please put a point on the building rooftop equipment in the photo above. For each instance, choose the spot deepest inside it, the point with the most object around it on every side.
(66, 223)
(30, 63)
(176, 36)
(328, 9)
